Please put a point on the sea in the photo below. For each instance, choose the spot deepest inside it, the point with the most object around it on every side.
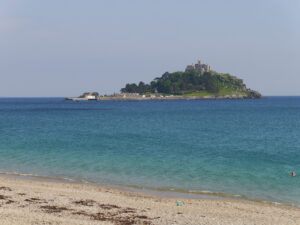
(243, 149)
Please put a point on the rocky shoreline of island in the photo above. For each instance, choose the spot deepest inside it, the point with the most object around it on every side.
(160, 98)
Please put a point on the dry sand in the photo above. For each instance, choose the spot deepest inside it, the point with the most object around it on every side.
(36, 202)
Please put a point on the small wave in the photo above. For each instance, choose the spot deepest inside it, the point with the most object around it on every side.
(206, 192)
(276, 203)
(43, 178)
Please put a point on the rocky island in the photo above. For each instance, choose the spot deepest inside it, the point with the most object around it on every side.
(196, 82)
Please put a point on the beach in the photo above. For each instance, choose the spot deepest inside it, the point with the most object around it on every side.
(40, 202)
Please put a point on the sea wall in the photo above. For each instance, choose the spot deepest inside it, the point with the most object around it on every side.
(181, 97)
(172, 98)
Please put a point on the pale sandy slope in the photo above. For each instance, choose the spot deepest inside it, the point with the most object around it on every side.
(33, 202)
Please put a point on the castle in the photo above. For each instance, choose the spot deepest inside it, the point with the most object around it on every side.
(198, 67)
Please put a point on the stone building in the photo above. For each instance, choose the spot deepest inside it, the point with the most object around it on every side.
(198, 67)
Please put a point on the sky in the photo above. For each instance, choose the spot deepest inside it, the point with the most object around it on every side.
(62, 48)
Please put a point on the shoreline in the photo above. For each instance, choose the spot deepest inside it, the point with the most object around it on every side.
(162, 98)
(155, 192)
(158, 192)
(37, 202)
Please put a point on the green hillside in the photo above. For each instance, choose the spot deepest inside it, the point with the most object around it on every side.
(193, 83)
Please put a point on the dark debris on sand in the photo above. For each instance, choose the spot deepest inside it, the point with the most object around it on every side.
(108, 212)
(35, 200)
(124, 220)
(9, 202)
(3, 197)
(112, 213)
(5, 188)
(87, 202)
(54, 209)
(108, 206)
(81, 213)
(21, 194)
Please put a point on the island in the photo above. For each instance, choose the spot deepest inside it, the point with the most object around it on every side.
(196, 82)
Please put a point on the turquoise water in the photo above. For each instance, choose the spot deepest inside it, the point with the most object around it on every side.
(235, 147)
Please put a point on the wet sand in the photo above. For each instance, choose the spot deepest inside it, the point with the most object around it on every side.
(40, 202)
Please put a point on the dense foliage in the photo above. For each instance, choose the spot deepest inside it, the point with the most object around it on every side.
(179, 83)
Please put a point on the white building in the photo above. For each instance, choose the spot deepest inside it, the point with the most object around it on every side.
(89, 96)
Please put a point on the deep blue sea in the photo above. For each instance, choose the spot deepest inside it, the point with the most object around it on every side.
(235, 147)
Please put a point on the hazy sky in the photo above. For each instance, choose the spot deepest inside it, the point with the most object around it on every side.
(66, 47)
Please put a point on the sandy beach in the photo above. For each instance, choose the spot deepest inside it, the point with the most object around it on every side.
(39, 202)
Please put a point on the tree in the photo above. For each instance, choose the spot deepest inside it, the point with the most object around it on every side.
(178, 83)
(96, 94)
(130, 88)
(210, 83)
(142, 88)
